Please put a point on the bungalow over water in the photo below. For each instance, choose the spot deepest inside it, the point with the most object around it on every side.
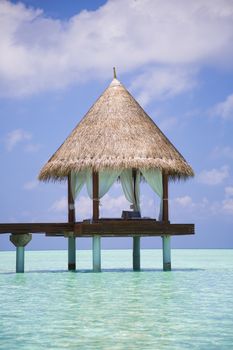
(115, 140)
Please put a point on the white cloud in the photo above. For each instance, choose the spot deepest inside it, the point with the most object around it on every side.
(167, 123)
(32, 147)
(184, 201)
(40, 53)
(14, 137)
(30, 185)
(162, 83)
(228, 206)
(227, 203)
(224, 109)
(202, 208)
(110, 206)
(214, 176)
(83, 208)
(229, 191)
(226, 152)
(113, 206)
(59, 205)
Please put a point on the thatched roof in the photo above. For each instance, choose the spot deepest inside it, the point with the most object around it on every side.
(116, 133)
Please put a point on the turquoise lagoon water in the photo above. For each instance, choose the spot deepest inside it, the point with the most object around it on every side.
(190, 307)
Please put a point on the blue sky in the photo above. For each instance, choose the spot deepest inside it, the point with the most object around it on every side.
(175, 57)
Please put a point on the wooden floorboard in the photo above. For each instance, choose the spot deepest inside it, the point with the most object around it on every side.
(19, 228)
(105, 228)
(132, 227)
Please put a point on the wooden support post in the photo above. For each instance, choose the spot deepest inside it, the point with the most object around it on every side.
(20, 241)
(166, 239)
(71, 254)
(166, 253)
(71, 204)
(136, 239)
(165, 198)
(71, 219)
(96, 253)
(19, 259)
(136, 253)
(96, 240)
(95, 190)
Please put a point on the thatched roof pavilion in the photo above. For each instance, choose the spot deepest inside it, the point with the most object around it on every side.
(116, 139)
(116, 133)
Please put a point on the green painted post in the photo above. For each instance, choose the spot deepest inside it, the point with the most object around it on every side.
(20, 241)
(166, 253)
(96, 253)
(71, 254)
(19, 259)
(136, 253)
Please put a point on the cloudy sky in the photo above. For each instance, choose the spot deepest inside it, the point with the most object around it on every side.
(175, 57)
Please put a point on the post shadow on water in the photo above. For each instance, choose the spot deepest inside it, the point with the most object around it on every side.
(106, 270)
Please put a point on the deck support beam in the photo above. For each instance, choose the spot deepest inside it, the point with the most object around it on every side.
(20, 241)
(96, 253)
(166, 253)
(136, 253)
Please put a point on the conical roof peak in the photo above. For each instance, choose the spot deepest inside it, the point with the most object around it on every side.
(115, 82)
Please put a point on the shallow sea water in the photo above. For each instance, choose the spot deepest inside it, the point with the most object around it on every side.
(190, 307)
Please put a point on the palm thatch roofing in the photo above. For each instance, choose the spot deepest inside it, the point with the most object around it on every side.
(116, 133)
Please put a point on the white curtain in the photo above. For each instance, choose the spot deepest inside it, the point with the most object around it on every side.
(108, 177)
(106, 180)
(89, 182)
(154, 178)
(137, 190)
(77, 182)
(127, 180)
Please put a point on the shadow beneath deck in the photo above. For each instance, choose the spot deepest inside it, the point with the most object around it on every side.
(114, 270)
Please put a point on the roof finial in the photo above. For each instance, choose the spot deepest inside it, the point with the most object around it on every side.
(114, 73)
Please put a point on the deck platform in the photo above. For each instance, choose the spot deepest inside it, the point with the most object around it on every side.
(103, 227)
(21, 234)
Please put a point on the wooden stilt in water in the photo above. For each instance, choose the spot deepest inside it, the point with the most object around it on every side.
(136, 253)
(19, 259)
(96, 253)
(166, 239)
(71, 238)
(20, 241)
(166, 253)
(71, 254)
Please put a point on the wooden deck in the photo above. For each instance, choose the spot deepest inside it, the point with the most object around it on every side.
(103, 227)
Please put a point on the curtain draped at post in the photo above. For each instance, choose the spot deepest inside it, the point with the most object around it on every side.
(89, 183)
(154, 178)
(108, 177)
(137, 190)
(77, 182)
(126, 178)
(106, 180)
